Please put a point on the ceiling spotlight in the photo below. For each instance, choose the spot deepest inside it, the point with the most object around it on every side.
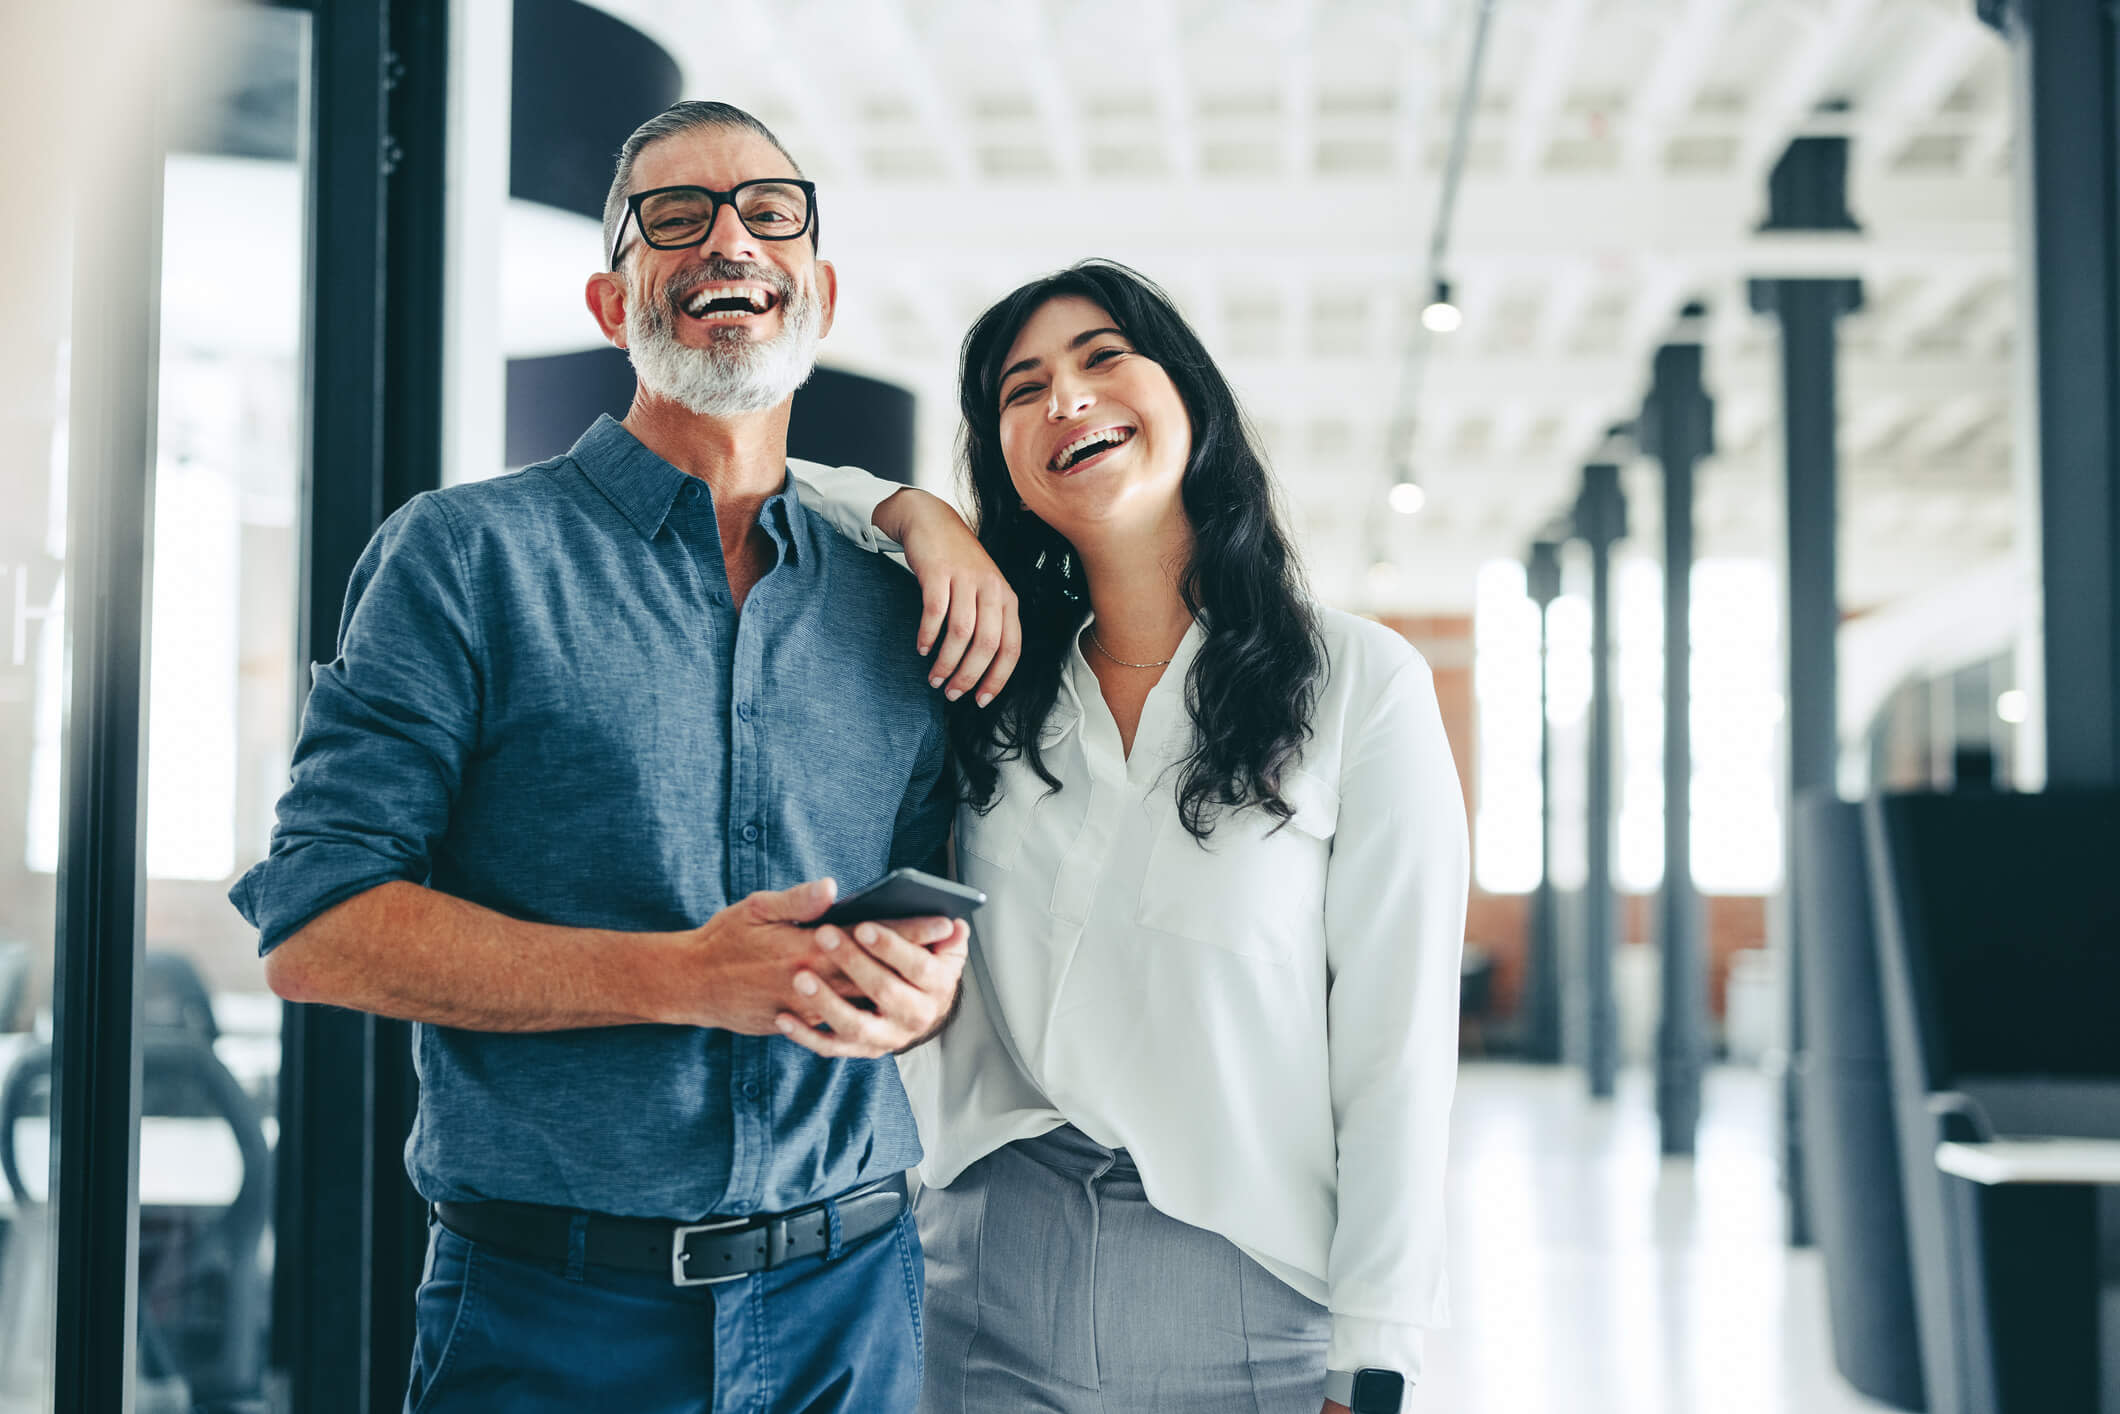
(1442, 316)
(1407, 498)
(2013, 706)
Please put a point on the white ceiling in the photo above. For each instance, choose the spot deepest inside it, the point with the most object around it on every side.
(1277, 164)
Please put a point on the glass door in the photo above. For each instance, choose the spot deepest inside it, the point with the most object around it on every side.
(228, 480)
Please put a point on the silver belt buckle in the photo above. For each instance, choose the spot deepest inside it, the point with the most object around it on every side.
(678, 1275)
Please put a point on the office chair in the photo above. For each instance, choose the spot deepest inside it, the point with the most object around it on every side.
(202, 1294)
(1998, 921)
(1850, 1143)
(14, 986)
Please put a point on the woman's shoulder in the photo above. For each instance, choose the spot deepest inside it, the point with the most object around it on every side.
(1363, 656)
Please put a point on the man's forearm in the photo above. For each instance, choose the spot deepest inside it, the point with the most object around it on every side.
(404, 951)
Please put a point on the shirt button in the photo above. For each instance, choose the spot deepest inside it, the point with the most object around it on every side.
(743, 711)
(750, 834)
(750, 1090)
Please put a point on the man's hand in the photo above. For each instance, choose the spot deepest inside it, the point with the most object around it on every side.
(1334, 1407)
(961, 591)
(740, 969)
(913, 987)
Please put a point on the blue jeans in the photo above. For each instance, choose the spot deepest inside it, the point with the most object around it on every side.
(833, 1334)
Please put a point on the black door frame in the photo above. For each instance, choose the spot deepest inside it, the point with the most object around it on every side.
(352, 1231)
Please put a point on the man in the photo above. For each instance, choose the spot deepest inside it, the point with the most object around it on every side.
(599, 737)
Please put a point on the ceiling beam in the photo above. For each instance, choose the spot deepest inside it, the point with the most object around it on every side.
(1032, 42)
(1702, 220)
(1991, 139)
(1416, 86)
(1937, 297)
(1543, 89)
(1674, 78)
(1165, 41)
(1568, 292)
(904, 54)
(1471, 381)
(1910, 95)
(1299, 90)
(763, 44)
(1792, 95)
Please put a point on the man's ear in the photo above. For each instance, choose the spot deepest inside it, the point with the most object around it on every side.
(827, 294)
(606, 297)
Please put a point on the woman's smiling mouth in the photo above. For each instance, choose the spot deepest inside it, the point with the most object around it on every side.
(1088, 447)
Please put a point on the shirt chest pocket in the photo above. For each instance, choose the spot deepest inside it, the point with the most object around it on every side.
(1251, 889)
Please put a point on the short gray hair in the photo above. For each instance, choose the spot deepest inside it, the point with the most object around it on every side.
(692, 115)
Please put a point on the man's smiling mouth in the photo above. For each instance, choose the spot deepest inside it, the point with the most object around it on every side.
(1089, 444)
(729, 302)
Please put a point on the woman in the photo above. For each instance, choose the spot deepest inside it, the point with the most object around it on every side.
(1185, 1136)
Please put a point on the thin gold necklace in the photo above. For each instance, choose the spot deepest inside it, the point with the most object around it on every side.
(1098, 644)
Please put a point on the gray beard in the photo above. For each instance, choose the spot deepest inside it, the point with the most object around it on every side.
(734, 373)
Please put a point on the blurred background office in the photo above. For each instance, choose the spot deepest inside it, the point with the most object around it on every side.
(1719, 393)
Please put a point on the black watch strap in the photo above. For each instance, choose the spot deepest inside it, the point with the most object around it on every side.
(1367, 1391)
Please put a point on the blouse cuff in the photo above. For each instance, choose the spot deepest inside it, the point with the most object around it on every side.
(1359, 1343)
(847, 497)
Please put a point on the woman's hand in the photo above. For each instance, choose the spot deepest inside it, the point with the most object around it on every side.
(965, 600)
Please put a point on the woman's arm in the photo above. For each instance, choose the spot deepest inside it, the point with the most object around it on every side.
(1394, 928)
(966, 602)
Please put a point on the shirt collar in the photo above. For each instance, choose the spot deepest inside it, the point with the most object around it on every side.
(1079, 679)
(644, 487)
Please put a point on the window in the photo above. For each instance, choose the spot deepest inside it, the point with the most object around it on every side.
(1737, 713)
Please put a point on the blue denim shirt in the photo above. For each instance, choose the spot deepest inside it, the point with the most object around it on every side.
(546, 703)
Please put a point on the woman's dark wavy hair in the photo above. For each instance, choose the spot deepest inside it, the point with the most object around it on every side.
(1252, 687)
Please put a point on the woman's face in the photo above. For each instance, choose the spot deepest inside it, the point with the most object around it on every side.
(1095, 435)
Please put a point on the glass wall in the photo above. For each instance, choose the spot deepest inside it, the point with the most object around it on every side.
(33, 359)
(220, 706)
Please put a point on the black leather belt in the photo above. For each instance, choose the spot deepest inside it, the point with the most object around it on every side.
(689, 1254)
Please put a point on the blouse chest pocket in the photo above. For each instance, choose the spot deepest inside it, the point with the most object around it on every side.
(1251, 888)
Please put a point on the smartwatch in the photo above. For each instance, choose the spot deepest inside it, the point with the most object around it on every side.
(1367, 1391)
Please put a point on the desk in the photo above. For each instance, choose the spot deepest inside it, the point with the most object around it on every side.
(2043, 1160)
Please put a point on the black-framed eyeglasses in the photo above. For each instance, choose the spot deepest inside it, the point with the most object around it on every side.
(675, 218)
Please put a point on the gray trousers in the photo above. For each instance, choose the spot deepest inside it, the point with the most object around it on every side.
(1053, 1286)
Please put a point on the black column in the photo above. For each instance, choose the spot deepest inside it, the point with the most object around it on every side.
(1600, 521)
(1677, 428)
(2065, 54)
(1542, 984)
(348, 1226)
(1808, 192)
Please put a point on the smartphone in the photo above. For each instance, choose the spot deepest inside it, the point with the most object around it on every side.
(905, 893)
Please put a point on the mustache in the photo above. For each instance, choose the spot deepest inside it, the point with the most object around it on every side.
(716, 269)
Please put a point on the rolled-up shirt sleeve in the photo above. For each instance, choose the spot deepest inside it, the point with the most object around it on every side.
(1394, 924)
(388, 727)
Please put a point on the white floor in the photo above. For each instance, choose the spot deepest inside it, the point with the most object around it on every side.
(1590, 1274)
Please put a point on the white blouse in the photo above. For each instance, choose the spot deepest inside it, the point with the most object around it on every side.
(1267, 1023)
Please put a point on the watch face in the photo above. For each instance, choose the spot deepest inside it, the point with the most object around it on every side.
(1378, 1392)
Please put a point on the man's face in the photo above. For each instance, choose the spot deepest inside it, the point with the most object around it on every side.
(728, 326)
